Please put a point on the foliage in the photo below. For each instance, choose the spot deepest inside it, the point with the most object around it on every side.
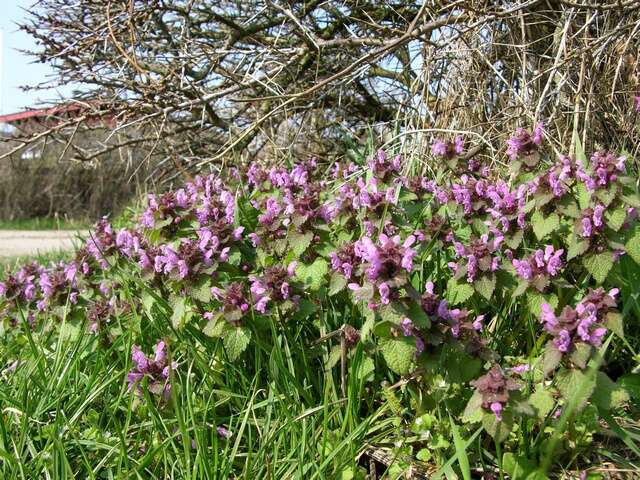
(361, 305)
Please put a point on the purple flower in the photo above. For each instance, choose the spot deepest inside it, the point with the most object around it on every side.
(155, 369)
(540, 265)
(523, 144)
(583, 324)
(494, 387)
(637, 103)
(448, 150)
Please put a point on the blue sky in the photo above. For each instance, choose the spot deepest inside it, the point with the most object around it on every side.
(17, 68)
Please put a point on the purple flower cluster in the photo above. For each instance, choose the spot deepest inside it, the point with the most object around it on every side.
(591, 222)
(382, 168)
(494, 387)
(384, 264)
(479, 258)
(523, 144)
(555, 180)
(543, 263)
(583, 324)
(452, 323)
(606, 169)
(234, 301)
(155, 369)
(344, 259)
(102, 242)
(272, 286)
(448, 150)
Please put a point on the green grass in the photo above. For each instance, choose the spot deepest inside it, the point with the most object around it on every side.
(44, 223)
(66, 411)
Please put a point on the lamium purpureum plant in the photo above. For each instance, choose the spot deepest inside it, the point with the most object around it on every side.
(470, 299)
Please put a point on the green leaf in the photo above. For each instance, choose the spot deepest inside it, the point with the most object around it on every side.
(615, 218)
(575, 386)
(613, 321)
(473, 412)
(577, 246)
(518, 468)
(399, 353)
(313, 275)
(334, 357)
(581, 354)
(215, 326)
(299, 242)
(633, 246)
(201, 291)
(550, 358)
(498, 429)
(542, 402)
(235, 342)
(461, 450)
(337, 282)
(458, 292)
(418, 316)
(485, 285)
(514, 240)
(70, 330)
(608, 394)
(544, 226)
(631, 383)
(179, 305)
(536, 299)
(584, 196)
(598, 265)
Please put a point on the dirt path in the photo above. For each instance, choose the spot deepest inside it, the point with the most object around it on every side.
(15, 243)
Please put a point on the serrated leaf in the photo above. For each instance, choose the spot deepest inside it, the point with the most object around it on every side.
(498, 429)
(485, 285)
(473, 412)
(542, 402)
(313, 275)
(70, 330)
(337, 283)
(399, 353)
(551, 358)
(615, 218)
(544, 226)
(201, 292)
(583, 196)
(599, 265)
(236, 341)
(514, 240)
(418, 316)
(299, 242)
(613, 321)
(608, 394)
(179, 305)
(536, 299)
(334, 357)
(575, 386)
(632, 247)
(458, 292)
(215, 327)
(577, 246)
(521, 288)
(607, 196)
(581, 354)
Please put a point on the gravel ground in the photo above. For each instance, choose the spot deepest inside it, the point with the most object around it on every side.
(16, 243)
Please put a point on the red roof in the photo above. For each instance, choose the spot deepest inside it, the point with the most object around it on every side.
(42, 112)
